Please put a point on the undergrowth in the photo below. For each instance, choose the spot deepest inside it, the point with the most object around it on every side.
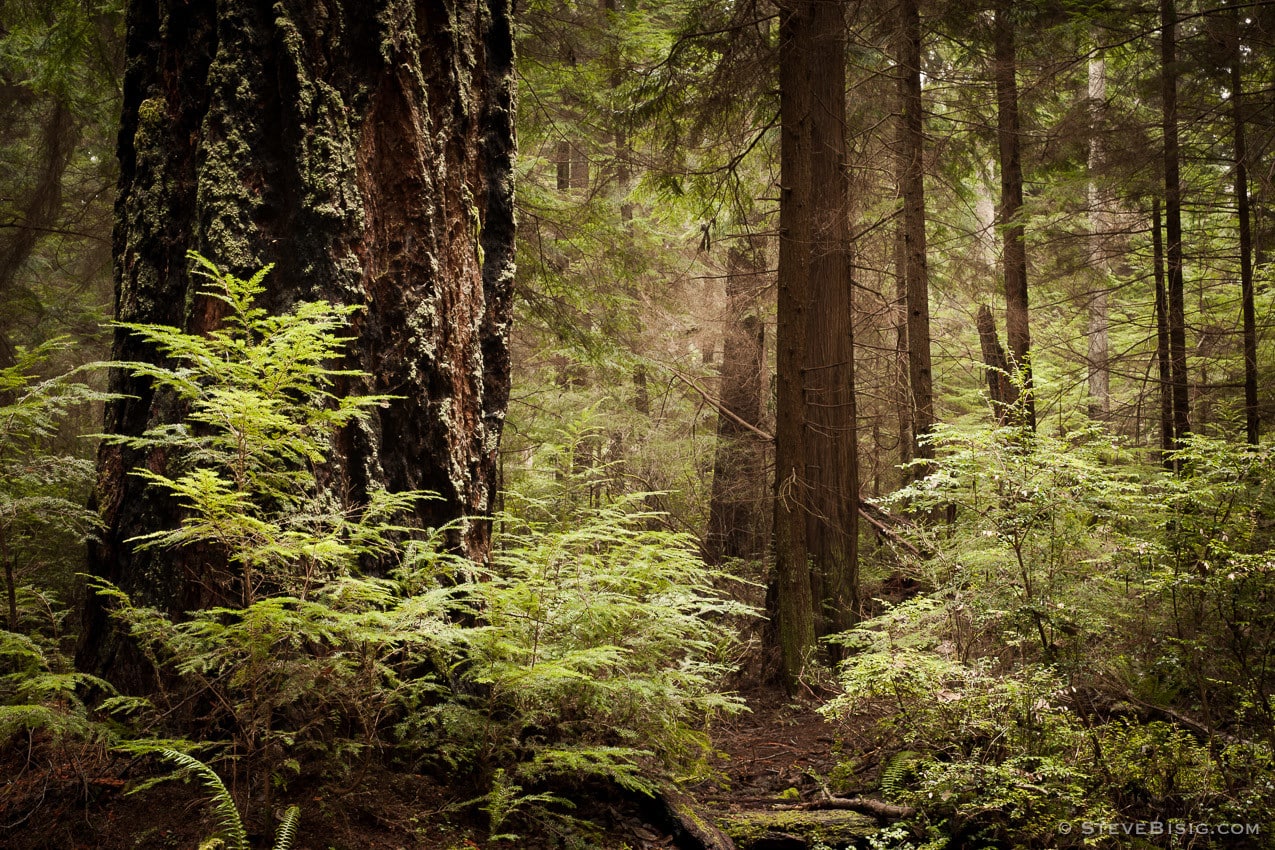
(1090, 652)
(588, 649)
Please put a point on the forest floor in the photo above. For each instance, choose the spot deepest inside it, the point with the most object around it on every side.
(773, 757)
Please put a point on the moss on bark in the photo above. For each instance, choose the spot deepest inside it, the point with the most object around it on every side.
(364, 148)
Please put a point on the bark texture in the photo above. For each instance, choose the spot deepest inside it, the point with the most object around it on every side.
(999, 391)
(1163, 369)
(365, 148)
(831, 445)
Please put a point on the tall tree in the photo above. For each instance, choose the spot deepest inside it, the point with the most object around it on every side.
(915, 269)
(367, 151)
(831, 444)
(794, 615)
(1009, 143)
(736, 527)
(1163, 369)
(1099, 203)
(1173, 222)
(1247, 306)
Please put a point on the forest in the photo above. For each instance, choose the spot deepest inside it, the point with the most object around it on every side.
(632, 424)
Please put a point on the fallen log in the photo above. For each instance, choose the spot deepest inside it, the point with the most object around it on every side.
(681, 817)
(862, 805)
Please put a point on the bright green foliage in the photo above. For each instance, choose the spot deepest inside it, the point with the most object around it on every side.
(590, 646)
(39, 690)
(43, 524)
(1074, 589)
(1215, 578)
(292, 680)
(1040, 519)
(261, 412)
(601, 639)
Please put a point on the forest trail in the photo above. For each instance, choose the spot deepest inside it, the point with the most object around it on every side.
(770, 762)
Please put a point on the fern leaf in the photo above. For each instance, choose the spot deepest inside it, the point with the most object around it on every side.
(895, 776)
(287, 829)
(223, 804)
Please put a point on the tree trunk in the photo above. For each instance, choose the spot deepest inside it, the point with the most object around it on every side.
(902, 385)
(1162, 339)
(916, 272)
(1004, 69)
(38, 209)
(794, 607)
(367, 150)
(831, 440)
(1248, 310)
(736, 523)
(996, 366)
(1099, 247)
(1173, 225)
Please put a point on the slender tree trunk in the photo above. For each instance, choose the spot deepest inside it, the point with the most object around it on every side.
(912, 156)
(736, 523)
(1162, 339)
(902, 385)
(794, 606)
(1015, 250)
(326, 137)
(831, 443)
(1173, 225)
(38, 209)
(1099, 247)
(995, 364)
(1248, 310)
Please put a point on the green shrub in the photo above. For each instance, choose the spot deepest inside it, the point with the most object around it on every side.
(587, 648)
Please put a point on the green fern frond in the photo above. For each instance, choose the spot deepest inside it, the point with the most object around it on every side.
(895, 775)
(287, 833)
(223, 804)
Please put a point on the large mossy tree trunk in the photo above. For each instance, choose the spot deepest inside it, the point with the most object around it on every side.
(366, 149)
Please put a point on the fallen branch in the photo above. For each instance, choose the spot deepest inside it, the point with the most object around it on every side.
(877, 517)
(717, 405)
